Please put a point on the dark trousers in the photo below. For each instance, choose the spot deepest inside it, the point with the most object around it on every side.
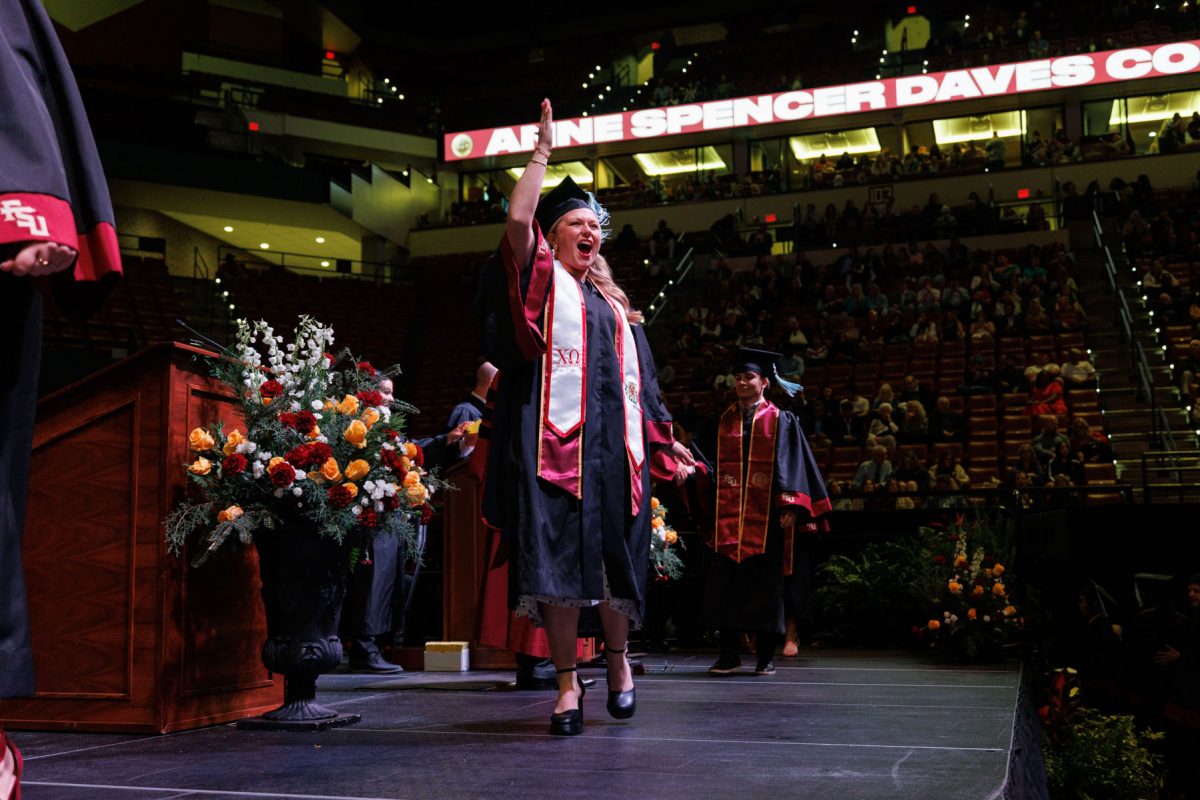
(368, 612)
(20, 354)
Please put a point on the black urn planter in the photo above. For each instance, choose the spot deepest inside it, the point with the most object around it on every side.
(303, 584)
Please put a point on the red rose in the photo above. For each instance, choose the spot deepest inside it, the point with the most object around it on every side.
(391, 433)
(235, 464)
(370, 397)
(303, 421)
(391, 460)
(331, 357)
(282, 474)
(369, 518)
(309, 455)
(939, 559)
(339, 496)
(364, 366)
(271, 389)
(391, 503)
(426, 514)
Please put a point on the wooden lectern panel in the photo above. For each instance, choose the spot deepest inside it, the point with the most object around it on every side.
(126, 636)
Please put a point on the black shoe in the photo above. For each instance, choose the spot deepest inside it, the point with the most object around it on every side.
(726, 665)
(570, 722)
(621, 705)
(765, 669)
(373, 662)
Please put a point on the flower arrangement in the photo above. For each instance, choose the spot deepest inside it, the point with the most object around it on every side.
(321, 445)
(975, 612)
(665, 562)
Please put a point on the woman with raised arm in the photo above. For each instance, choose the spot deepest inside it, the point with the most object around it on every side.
(577, 425)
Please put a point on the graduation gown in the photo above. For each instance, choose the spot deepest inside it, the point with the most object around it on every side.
(51, 189)
(755, 467)
(561, 544)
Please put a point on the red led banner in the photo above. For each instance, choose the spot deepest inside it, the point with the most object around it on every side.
(1085, 69)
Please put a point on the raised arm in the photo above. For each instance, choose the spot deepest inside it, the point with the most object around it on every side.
(524, 200)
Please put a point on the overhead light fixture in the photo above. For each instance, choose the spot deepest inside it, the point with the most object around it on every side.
(264, 246)
(324, 263)
(675, 162)
(555, 173)
(320, 240)
(228, 229)
(401, 96)
(387, 80)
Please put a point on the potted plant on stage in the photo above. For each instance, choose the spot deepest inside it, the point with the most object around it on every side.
(319, 466)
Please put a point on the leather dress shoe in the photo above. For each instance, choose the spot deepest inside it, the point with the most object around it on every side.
(374, 662)
(569, 722)
(621, 705)
(726, 665)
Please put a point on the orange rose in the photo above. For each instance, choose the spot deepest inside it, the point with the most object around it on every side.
(411, 478)
(330, 471)
(961, 561)
(656, 522)
(998, 570)
(275, 461)
(315, 432)
(370, 416)
(934, 624)
(405, 463)
(356, 433)
(200, 440)
(348, 406)
(234, 438)
(998, 590)
(357, 470)
(410, 449)
(1009, 611)
(977, 591)
(416, 494)
(229, 514)
(201, 466)
(654, 504)
(672, 536)
(972, 613)
(330, 405)
(954, 586)
(352, 488)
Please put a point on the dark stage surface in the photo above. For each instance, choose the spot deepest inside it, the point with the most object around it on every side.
(830, 724)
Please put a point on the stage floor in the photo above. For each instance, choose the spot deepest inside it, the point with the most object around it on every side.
(829, 724)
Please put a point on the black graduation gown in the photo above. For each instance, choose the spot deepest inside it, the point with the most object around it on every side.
(749, 595)
(51, 189)
(560, 545)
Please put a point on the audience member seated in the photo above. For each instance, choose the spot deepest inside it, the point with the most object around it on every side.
(876, 470)
(847, 428)
(1077, 369)
(1067, 463)
(1027, 463)
(947, 466)
(945, 424)
(1045, 443)
(1046, 398)
(1088, 444)
(914, 425)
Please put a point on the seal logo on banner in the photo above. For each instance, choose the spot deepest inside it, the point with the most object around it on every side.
(462, 145)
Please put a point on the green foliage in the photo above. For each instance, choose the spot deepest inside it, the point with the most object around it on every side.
(665, 562)
(1103, 757)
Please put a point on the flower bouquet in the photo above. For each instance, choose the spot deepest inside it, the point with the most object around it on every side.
(320, 468)
(665, 562)
(975, 613)
(321, 449)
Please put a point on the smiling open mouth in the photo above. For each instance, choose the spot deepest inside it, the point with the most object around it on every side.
(584, 247)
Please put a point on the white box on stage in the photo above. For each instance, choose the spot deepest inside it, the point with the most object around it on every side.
(447, 657)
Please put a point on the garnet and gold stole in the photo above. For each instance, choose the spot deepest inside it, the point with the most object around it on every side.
(744, 486)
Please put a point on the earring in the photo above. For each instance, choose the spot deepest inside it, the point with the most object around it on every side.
(554, 249)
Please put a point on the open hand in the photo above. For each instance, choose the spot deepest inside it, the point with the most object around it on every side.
(545, 141)
(39, 258)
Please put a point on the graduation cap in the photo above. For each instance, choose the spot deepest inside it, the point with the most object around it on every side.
(567, 196)
(763, 362)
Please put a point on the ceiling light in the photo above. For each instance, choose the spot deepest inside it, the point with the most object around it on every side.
(387, 80)
(380, 100)
(264, 246)
(324, 263)
(320, 240)
(228, 229)
(585, 84)
(401, 97)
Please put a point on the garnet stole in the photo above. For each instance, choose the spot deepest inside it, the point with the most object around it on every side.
(564, 389)
(744, 488)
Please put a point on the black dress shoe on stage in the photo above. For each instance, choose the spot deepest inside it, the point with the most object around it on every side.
(374, 663)
(569, 722)
(726, 665)
(767, 668)
(621, 705)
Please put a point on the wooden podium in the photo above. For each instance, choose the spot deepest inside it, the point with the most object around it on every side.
(126, 636)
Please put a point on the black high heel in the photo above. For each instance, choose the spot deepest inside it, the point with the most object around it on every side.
(621, 705)
(570, 722)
